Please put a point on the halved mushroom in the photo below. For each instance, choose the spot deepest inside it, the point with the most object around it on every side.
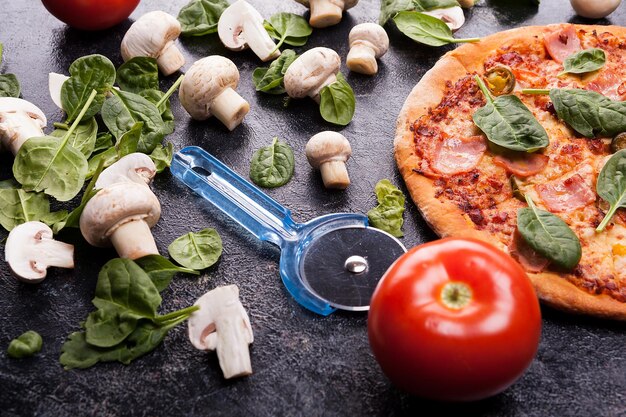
(329, 152)
(312, 71)
(452, 16)
(222, 325)
(135, 167)
(326, 13)
(20, 120)
(30, 249)
(368, 42)
(241, 26)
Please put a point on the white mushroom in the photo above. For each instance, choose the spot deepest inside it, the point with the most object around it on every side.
(329, 152)
(135, 167)
(55, 83)
(241, 26)
(153, 35)
(452, 16)
(30, 249)
(222, 325)
(595, 9)
(122, 214)
(20, 120)
(368, 42)
(209, 90)
(326, 13)
(312, 71)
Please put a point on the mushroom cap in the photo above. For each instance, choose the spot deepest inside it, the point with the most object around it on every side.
(115, 205)
(13, 105)
(135, 167)
(310, 70)
(595, 9)
(205, 80)
(344, 4)
(150, 35)
(451, 16)
(327, 146)
(230, 24)
(372, 35)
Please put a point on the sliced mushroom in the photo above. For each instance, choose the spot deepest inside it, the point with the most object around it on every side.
(326, 13)
(30, 249)
(55, 83)
(452, 16)
(595, 9)
(222, 325)
(368, 42)
(153, 35)
(122, 214)
(20, 120)
(329, 152)
(209, 90)
(135, 167)
(312, 71)
(241, 26)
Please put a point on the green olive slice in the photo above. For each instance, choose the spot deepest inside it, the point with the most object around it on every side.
(619, 142)
(500, 80)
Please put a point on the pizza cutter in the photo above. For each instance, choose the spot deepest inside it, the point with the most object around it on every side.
(330, 262)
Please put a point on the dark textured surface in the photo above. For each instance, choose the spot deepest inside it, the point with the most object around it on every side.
(303, 364)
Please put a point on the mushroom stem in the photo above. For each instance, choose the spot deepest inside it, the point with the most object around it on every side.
(55, 253)
(324, 13)
(362, 59)
(133, 240)
(335, 175)
(230, 108)
(315, 93)
(171, 59)
(16, 128)
(258, 39)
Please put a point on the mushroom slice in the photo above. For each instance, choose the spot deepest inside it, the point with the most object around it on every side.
(312, 71)
(452, 16)
(222, 325)
(135, 167)
(20, 120)
(55, 83)
(329, 152)
(241, 26)
(30, 249)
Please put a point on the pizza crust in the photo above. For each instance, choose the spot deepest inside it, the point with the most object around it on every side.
(445, 217)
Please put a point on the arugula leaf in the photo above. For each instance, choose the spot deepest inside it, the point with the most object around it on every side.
(611, 185)
(337, 102)
(25, 345)
(270, 79)
(507, 122)
(162, 156)
(161, 270)
(426, 29)
(200, 17)
(389, 8)
(138, 74)
(83, 139)
(9, 86)
(387, 215)
(584, 61)
(550, 236)
(197, 250)
(288, 28)
(273, 165)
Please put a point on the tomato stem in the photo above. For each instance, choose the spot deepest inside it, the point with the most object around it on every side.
(456, 295)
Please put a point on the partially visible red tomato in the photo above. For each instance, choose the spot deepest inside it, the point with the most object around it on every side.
(455, 319)
(91, 14)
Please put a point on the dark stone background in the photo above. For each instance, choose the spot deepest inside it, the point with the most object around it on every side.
(303, 364)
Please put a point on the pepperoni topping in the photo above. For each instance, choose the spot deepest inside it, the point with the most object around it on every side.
(522, 164)
(562, 43)
(530, 260)
(566, 194)
(457, 155)
(610, 85)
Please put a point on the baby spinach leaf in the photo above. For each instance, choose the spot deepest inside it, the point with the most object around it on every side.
(387, 215)
(155, 97)
(83, 138)
(270, 79)
(18, 206)
(104, 140)
(124, 109)
(91, 72)
(584, 61)
(389, 8)
(611, 185)
(126, 145)
(337, 102)
(9, 85)
(550, 236)
(138, 74)
(162, 156)
(426, 29)
(200, 17)
(1, 51)
(273, 165)
(25, 345)
(288, 28)
(197, 250)
(507, 122)
(161, 270)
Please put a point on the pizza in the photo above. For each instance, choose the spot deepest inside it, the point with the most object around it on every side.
(466, 186)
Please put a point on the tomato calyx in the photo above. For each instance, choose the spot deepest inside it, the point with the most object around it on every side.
(456, 295)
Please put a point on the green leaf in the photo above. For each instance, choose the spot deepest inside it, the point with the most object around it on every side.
(426, 29)
(197, 250)
(124, 109)
(389, 8)
(273, 165)
(162, 156)
(138, 74)
(126, 145)
(9, 86)
(507, 122)
(104, 140)
(589, 113)
(83, 138)
(337, 102)
(200, 17)
(1, 51)
(584, 61)
(548, 235)
(91, 72)
(161, 270)
(27, 344)
(154, 97)
(270, 79)
(387, 215)
(611, 185)
(288, 28)
(18, 206)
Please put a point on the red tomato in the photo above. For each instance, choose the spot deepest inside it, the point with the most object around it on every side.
(455, 319)
(91, 14)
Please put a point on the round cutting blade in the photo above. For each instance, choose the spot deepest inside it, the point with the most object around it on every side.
(344, 265)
